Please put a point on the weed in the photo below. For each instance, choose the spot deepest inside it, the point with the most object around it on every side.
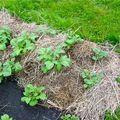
(53, 59)
(6, 117)
(5, 36)
(69, 117)
(90, 78)
(113, 116)
(8, 68)
(33, 94)
(23, 43)
(99, 54)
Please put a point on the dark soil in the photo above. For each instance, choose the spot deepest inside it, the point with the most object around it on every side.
(10, 103)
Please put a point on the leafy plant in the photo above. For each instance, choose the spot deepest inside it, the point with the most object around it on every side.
(72, 40)
(6, 117)
(118, 79)
(8, 68)
(69, 117)
(90, 78)
(47, 31)
(99, 54)
(5, 36)
(113, 116)
(33, 94)
(53, 59)
(23, 43)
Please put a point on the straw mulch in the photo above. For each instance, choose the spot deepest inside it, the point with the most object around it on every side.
(65, 89)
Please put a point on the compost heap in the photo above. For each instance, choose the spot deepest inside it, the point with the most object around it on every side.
(65, 89)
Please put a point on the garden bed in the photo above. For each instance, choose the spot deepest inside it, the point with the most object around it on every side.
(66, 89)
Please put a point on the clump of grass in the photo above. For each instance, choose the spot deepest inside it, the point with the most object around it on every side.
(118, 79)
(113, 116)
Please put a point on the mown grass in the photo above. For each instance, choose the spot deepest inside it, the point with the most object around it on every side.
(97, 20)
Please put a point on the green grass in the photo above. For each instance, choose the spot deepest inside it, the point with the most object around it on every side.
(97, 20)
(113, 116)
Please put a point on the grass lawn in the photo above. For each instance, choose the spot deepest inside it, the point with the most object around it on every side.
(97, 20)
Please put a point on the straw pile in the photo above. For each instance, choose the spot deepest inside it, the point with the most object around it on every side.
(65, 89)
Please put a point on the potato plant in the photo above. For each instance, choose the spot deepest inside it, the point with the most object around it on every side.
(8, 68)
(72, 40)
(69, 117)
(6, 117)
(23, 43)
(99, 54)
(5, 37)
(46, 31)
(90, 78)
(53, 59)
(33, 94)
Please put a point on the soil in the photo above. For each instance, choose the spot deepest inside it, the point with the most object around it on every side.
(10, 103)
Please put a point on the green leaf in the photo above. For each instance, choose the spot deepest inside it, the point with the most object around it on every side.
(25, 99)
(58, 66)
(99, 54)
(33, 102)
(69, 117)
(30, 46)
(44, 69)
(16, 52)
(70, 41)
(91, 78)
(88, 81)
(2, 46)
(33, 37)
(118, 79)
(33, 94)
(18, 67)
(41, 88)
(95, 58)
(7, 71)
(65, 61)
(42, 96)
(13, 42)
(29, 89)
(5, 117)
(49, 65)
